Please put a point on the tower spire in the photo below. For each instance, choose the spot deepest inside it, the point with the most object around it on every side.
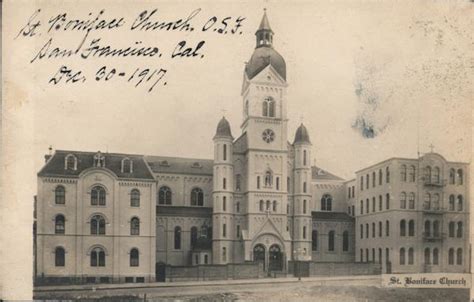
(264, 33)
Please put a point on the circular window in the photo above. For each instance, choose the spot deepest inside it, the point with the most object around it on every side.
(268, 135)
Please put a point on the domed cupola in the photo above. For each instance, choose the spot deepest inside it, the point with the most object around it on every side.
(302, 135)
(223, 129)
(264, 54)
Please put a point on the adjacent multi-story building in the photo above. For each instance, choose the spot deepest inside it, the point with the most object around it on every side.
(107, 217)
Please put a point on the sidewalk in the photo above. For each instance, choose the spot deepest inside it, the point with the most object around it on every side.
(187, 284)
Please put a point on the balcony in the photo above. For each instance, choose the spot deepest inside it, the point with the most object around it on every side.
(433, 182)
(433, 237)
(434, 210)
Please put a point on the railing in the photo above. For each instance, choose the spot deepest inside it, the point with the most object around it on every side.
(431, 182)
(428, 236)
(434, 210)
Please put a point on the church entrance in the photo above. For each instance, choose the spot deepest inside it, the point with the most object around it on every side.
(275, 258)
(259, 254)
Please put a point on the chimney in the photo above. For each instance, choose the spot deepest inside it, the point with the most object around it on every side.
(49, 155)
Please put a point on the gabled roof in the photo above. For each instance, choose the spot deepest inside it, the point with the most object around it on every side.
(177, 165)
(85, 160)
(320, 174)
(341, 216)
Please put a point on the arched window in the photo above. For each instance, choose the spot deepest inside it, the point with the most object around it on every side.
(98, 196)
(59, 256)
(97, 225)
(373, 179)
(70, 162)
(402, 256)
(451, 202)
(224, 183)
(460, 205)
(411, 228)
(135, 226)
(314, 240)
(127, 165)
(459, 230)
(261, 206)
(275, 205)
(451, 256)
(427, 256)
(224, 203)
(268, 178)
(373, 229)
(304, 187)
(345, 241)
(361, 207)
(411, 174)
(59, 224)
(326, 203)
(134, 257)
(380, 177)
(361, 231)
(60, 195)
(403, 200)
(411, 256)
(459, 256)
(197, 197)
(435, 176)
(366, 230)
(452, 176)
(380, 203)
(380, 229)
(435, 256)
(387, 228)
(194, 236)
(367, 181)
(177, 238)
(268, 107)
(97, 257)
(435, 203)
(304, 157)
(267, 208)
(224, 230)
(460, 177)
(428, 228)
(427, 174)
(411, 201)
(164, 195)
(258, 182)
(362, 183)
(403, 228)
(135, 198)
(387, 175)
(224, 152)
(403, 173)
(387, 201)
(436, 229)
(452, 226)
(427, 204)
(331, 241)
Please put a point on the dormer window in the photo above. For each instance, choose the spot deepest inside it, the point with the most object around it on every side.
(99, 160)
(196, 165)
(127, 165)
(164, 163)
(70, 162)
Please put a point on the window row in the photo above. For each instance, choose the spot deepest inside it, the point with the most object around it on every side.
(374, 179)
(374, 229)
(351, 192)
(330, 241)
(367, 255)
(380, 203)
(411, 200)
(165, 196)
(268, 181)
(97, 225)
(98, 196)
(271, 206)
(97, 257)
(407, 174)
(433, 176)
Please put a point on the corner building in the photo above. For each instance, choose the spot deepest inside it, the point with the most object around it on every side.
(123, 218)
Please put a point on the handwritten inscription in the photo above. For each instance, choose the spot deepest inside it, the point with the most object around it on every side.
(93, 43)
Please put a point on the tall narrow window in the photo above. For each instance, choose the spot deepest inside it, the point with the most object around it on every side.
(59, 256)
(361, 207)
(304, 206)
(275, 206)
(331, 241)
(427, 174)
(224, 152)
(459, 256)
(362, 183)
(326, 203)
(238, 231)
(59, 224)
(268, 107)
(237, 207)
(288, 184)
(98, 196)
(451, 203)
(224, 230)
(427, 204)
(451, 228)
(403, 228)
(373, 179)
(224, 183)
(451, 256)
(126, 165)
(224, 254)
(60, 195)
(261, 207)
(135, 226)
(380, 229)
(314, 240)
(277, 181)
(403, 200)
(134, 257)
(380, 177)
(387, 201)
(224, 203)
(435, 256)
(373, 229)
(366, 230)
(435, 204)
(427, 256)
(304, 187)
(177, 238)
(361, 231)
(435, 178)
(97, 225)
(304, 157)
(428, 228)
(411, 228)
(164, 195)
(373, 204)
(268, 205)
(258, 182)
(460, 177)
(452, 176)
(238, 182)
(436, 233)
(194, 236)
(403, 173)
(70, 162)
(197, 197)
(387, 228)
(380, 203)
(460, 203)
(367, 206)
(402, 256)
(459, 230)
(411, 174)
(387, 175)
(367, 181)
(380, 256)
(135, 198)
(97, 257)
(411, 201)
(345, 241)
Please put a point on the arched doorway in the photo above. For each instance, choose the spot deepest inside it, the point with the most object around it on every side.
(275, 258)
(259, 254)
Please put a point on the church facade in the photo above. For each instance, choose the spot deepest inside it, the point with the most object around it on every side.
(120, 217)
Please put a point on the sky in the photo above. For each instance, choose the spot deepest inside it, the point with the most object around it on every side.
(401, 72)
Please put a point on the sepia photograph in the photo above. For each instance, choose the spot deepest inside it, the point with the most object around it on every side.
(236, 150)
